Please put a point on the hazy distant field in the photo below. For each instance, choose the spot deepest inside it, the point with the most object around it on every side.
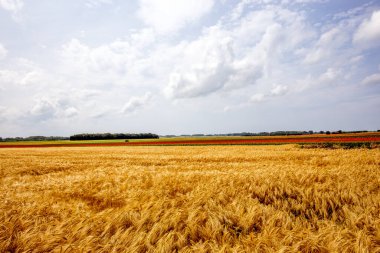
(191, 199)
(365, 137)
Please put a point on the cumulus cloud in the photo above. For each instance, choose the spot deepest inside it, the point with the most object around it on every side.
(326, 45)
(111, 57)
(169, 16)
(373, 79)
(100, 113)
(22, 72)
(229, 57)
(207, 67)
(368, 33)
(303, 1)
(244, 4)
(12, 5)
(3, 113)
(43, 109)
(276, 91)
(254, 53)
(257, 98)
(70, 112)
(3, 52)
(32, 78)
(279, 90)
(8, 76)
(97, 3)
(49, 107)
(120, 62)
(357, 59)
(96, 66)
(331, 74)
(135, 103)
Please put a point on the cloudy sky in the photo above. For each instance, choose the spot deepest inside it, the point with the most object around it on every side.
(179, 66)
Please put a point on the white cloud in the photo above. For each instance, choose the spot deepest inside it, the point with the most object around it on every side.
(23, 72)
(237, 12)
(84, 94)
(143, 38)
(97, 65)
(3, 52)
(32, 78)
(331, 74)
(368, 33)
(353, 12)
(55, 106)
(257, 98)
(279, 90)
(8, 114)
(245, 3)
(3, 113)
(13, 6)
(229, 57)
(101, 112)
(171, 15)
(276, 91)
(357, 59)
(97, 3)
(304, 1)
(43, 109)
(8, 76)
(136, 103)
(326, 45)
(70, 112)
(120, 62)
(248, 51)
(372, 79)
(207, 66)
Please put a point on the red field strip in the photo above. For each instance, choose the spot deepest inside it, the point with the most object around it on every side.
(259, 141)
(209, 142)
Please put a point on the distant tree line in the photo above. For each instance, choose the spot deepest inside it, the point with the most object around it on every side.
(276, 133)
(281, 133)
(109, 136)
(34, 138)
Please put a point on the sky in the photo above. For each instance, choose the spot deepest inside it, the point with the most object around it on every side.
(188, 67)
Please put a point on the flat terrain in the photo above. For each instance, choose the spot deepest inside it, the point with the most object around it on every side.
(189, 199)
(367, 137)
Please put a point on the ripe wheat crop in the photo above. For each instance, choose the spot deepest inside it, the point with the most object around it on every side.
(189, 199)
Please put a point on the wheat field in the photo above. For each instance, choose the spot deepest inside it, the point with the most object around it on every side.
(189, 199)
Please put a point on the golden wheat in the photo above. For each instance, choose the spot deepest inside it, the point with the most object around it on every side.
(189, 199)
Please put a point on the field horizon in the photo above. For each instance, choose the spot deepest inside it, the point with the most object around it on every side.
(364, 137)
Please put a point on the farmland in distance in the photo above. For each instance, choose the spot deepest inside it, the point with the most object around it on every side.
(189, 199)
(365, 138)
